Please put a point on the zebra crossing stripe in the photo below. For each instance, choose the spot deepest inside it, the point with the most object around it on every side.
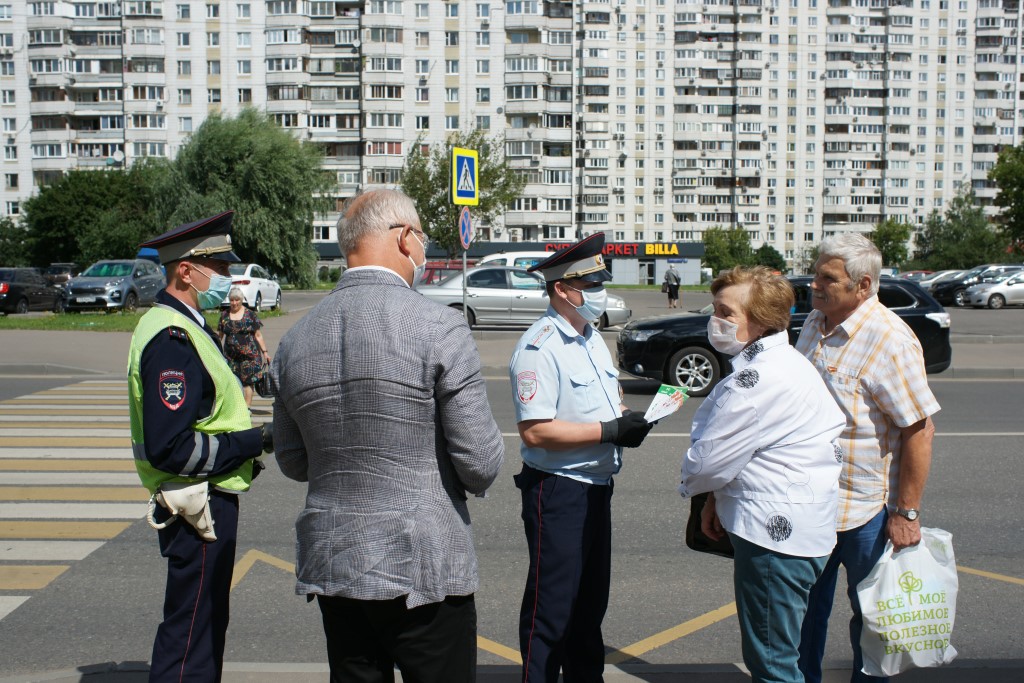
(95, 431)
(66, 465)
(72, 493)
(47, 551)
(27, 577)
(9, 603)
(61, 530)
(64, 441)
(73, 510)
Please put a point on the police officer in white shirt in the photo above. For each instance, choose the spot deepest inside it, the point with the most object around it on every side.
(570, 416)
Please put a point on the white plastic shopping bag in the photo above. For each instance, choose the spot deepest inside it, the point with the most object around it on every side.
(909, 605)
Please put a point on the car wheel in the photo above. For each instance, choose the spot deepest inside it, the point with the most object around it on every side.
(996, 301)
(258, 304)
(131, 302)
(277, 301)
(470, 317)
(59, 305)
(960, 298)
(602, 322)
(21, 306)
(695, 368)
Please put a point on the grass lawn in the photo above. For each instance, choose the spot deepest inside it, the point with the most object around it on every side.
(95, 322)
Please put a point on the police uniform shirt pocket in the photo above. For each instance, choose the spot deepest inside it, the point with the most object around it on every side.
(584, 391)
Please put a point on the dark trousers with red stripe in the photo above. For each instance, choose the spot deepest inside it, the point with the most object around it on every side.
(189, 642)
(569, 533)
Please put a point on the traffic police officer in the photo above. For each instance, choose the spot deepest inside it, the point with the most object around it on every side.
(573, 426)
(191, 432)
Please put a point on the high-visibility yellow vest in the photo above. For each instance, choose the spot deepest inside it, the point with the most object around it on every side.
(229, 414)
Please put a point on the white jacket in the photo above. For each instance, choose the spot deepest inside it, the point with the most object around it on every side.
(763, 441)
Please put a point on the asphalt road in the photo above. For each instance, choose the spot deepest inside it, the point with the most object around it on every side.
(669, 607)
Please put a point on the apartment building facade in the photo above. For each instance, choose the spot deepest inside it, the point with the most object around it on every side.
(652, 120)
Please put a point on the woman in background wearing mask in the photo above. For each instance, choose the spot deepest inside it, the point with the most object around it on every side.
(762, 443)
(244, 346)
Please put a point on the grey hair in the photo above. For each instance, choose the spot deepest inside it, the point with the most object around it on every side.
(859, 255)
(236, 291)
(371, 214)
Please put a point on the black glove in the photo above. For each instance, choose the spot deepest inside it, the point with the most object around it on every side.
(628, 430)
(267, 431)
(257, 467)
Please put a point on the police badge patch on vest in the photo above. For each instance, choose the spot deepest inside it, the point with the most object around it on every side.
(172, 388)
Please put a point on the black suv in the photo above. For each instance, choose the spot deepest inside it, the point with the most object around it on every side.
(25, 289)
(955, 291)
(675, 349)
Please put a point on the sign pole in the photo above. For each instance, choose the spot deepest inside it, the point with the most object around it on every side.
(464, 191)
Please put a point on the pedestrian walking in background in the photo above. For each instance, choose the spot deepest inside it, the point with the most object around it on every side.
(763, 444)
(573, 426)
(872, 363)
(244, 346)
(380, 406)
(194, 446)
(671, 286)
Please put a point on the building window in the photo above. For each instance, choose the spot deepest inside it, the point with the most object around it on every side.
(185, 124)
(245, 95)
(184, 68)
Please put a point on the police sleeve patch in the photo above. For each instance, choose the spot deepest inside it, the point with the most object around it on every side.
(171, 387)
(526, 385)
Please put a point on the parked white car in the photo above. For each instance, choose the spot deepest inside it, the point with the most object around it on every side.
(259, 288)
(498, 295)
(519, 259)
(1006, 292)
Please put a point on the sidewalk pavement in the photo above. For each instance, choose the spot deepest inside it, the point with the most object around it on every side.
(234, 672)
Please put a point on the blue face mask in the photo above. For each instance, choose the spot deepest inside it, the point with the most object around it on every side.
(219, 287)
(595, 302)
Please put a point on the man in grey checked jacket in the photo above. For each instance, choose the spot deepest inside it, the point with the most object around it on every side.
(381, 407)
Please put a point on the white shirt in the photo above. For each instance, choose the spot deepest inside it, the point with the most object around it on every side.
(763, 441)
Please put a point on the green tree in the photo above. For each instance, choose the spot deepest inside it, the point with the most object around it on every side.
(275, 184)
(891, 236)
(425, 179)
(90, 215)
(1008, 175)
(725, 248)
(962, 238)
(767, 255)
(14, 245)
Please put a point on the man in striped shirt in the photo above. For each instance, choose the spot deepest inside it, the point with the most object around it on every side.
(873, 364)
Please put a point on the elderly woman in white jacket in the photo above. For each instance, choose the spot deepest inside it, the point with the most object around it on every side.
(762, 443)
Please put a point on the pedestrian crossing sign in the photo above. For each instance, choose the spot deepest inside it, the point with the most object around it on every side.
(465, 179)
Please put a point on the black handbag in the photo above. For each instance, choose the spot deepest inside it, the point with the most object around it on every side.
(697, 539)
(664, 287)
(262, 385)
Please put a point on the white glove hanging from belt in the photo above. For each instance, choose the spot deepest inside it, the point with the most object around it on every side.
(189, 501)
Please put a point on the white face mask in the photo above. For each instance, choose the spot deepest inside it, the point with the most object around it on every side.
(417, 271)
(595, 302)
(722, 335)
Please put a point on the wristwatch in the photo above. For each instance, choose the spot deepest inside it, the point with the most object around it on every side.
(910, 513)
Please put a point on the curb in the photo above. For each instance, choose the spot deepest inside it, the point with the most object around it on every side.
(986, 339)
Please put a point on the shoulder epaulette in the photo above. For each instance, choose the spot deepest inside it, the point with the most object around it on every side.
(177, 333)
(542, 335)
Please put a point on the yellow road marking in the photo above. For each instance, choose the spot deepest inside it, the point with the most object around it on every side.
(61, 530)
(105, 493)
(24, 577)
(65, 441)
(56, 465)
(499, 649)
(990, 575)
(248, 560)
(674, 633)
(52, 424)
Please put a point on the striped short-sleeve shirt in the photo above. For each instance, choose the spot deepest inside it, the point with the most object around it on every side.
(873, 364)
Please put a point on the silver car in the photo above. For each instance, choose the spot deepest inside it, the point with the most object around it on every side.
(1004, 292)
(112, 285)
(500, 295)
